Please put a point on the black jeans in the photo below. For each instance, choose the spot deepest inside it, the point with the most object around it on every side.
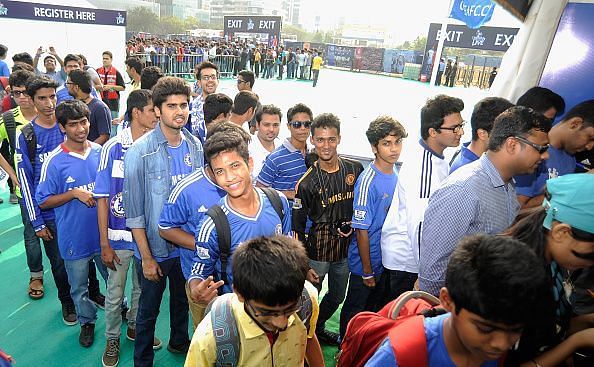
(396, 282)
(360, 298)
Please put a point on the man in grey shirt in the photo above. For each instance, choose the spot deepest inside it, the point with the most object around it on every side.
(480, 197)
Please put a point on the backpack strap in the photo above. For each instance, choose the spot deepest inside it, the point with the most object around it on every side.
(275, 199)
(10, 124)
(31, 141)
(226, 334)
(455, 156)
(224, 239)
(306, 308)
(409, 342)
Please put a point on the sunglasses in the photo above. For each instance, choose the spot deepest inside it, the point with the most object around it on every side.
(298, 124)
(540, 148)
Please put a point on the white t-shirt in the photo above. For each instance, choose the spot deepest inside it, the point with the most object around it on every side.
(258, 154)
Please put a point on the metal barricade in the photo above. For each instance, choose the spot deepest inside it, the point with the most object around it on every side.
(181, 65)
(227, 64)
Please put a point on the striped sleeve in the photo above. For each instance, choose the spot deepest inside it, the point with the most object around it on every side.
(363, 204)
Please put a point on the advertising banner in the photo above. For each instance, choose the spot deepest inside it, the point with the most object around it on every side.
(394, 60)
(484, 38)
(270, 25)
(341, 56)
(372, 59)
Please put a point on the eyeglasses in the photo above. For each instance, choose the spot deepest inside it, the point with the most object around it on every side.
(540, 148)
(298, 124)
(286, 313)
(209, 77)
(18, 93)
(239, 81)
(455, 129)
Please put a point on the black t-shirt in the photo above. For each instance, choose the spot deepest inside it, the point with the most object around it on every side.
(100, 119)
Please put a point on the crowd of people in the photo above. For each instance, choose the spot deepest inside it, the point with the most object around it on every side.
(193, 191)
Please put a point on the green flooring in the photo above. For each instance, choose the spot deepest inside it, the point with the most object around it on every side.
(33, 333)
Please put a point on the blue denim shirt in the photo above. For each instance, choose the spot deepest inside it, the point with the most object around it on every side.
(147, 184)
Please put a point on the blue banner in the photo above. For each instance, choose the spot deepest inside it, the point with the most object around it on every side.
(474, 13)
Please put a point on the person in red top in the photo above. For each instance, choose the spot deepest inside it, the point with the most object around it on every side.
(113, 84)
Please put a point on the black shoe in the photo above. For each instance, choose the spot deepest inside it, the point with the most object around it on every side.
(69, 314)
(327, 337)
(179, 349)
(87, 335)
(98, 299)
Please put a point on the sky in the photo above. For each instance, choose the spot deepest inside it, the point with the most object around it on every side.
(404, 20)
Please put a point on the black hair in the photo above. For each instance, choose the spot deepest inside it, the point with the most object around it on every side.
(269, 109)
(3, 50)
(516, 121)
(225, 141)
(108, 53)
(227, 126)
(71, 57)
(541, 100)
(298, 108)
(134, 63)
(206, 65)
(168, 86)
(48, 57)
(248, 76)
(20, 78)
(498, 278)
(583, 110)
(326, 120)
(485, 112)
(23, 57)
(139, 99)
(243, 101)
(149, 77)
(38, 82)
(383, 126)
(214, 105)
(22, 66)
(257, 264)
(82, 79)
(73, 109)
(434, 111)
(528, 228)
(83, 59)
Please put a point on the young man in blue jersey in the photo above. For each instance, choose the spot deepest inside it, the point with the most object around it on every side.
(373, 196)
(185, 208)
(154, 164)
(207, 75)
(492, 286)
(71, 62)
(286, 165)
(117, 244)
(66, 184)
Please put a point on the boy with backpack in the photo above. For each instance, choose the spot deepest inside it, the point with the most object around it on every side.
(493, 290)
(270, 318)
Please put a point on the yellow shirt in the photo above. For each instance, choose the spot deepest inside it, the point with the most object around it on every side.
(316, 63)
(255, 350)
(20, 121)
(257, 56)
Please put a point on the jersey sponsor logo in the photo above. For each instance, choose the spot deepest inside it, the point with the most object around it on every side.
(202, 209)
(43, 156)
(359, 214)
(70, 179)
(202, 253)
(177, 178)
(297, 204)
(278, 230)
(188, 160)
(350, 179)
(117, 206)
(87, 187)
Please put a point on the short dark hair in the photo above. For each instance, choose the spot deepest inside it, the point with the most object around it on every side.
(498, 278)
(227, 126)
(516, 121)
(38, 82)
(542, 99)
(139, 99)
(48, 57)
(73, 109)
(248, 76)
(3, 50)
(82, 79)
(149, 77)
(71, 57)
(325, 120)
(225, 141)
(434, 111)
(298, 108)
(20, 78)
(214, 105)
(23, 57)
(134, 63)
(583, 110)
(22, 66)
(108, 53)
(167, 86)
(383, 126)
(258, 263)
(485, 112)
(243, 101)
(83, 59)
(269, 109)
(206, 65)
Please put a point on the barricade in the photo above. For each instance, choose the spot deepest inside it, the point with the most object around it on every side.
(226, 64)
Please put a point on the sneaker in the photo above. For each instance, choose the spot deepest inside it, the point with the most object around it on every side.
(111, 355)
(131, 335)
(98, 299)
(69, 314)
(13, 199)
(327, 337)
(179, 349)
(87, 335)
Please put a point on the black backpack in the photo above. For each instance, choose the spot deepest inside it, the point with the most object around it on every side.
(224, 230)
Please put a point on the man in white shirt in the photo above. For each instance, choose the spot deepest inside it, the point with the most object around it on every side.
(268, 121)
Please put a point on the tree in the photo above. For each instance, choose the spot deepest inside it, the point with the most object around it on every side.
(142, 19)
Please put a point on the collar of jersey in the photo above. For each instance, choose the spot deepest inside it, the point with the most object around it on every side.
(254, 218)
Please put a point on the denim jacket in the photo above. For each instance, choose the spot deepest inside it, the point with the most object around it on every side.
(147, 184)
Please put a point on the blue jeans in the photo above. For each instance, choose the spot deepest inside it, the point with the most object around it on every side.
(360, 298)
(34, 257)
(78, 276)
(151, 294)
(338, 272)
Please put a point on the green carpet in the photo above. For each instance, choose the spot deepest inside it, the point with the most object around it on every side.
(33, 332)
